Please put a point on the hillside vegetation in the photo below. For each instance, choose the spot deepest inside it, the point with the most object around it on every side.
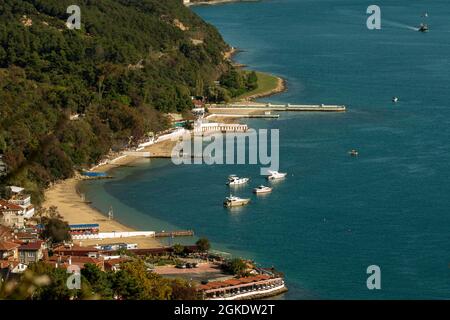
(131, 62)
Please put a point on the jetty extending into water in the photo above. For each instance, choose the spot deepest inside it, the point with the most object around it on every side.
(243, 108)
(178, 233)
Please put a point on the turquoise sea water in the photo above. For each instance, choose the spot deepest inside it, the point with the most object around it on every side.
(334, 215)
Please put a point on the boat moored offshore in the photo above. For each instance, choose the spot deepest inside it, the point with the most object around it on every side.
(274, 175)
(234, 180)
(233, 201)
(262, 189)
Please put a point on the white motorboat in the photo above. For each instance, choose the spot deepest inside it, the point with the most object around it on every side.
(274, 175)
(233, 201)
(262, 189)
(234, 180)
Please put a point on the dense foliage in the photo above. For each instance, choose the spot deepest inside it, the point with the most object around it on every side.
(203, 244)
(236, 266)
(42, 281)
(131, 62)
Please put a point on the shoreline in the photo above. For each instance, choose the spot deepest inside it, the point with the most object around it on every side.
(216, 2)
(65, 195)
(281, 87)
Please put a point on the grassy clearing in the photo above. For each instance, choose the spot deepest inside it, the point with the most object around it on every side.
(266, 83)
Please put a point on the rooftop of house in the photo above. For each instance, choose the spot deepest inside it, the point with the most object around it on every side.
(8, 245)
(63, 261)
(7, 206)
(74, 249)
(31, 246)
(109, 264)
(21, 235)
(5, 233)
(15, 189)
(232, 282)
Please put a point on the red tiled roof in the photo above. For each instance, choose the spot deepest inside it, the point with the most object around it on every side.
(76, 259)
(232, 282)
(75, 247)
(31, 246)
(74, 250)
(63, 261)
(7, 245)
(109, 264)
(26, 235)
(9, 206)
(5, 232)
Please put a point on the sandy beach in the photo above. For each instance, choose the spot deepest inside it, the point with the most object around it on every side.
(74, 210)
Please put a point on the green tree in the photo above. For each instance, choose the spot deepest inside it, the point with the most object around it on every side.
(203, 244)
(236, 266)
(100, 282)
(55, 229)
(178, 249)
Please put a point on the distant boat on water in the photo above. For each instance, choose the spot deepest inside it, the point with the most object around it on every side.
(423, 28)
(233, 201)
(274, 175)
(234, 180)
(353, 153)
(262, 190)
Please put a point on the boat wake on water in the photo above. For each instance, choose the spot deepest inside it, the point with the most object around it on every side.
(399, 25)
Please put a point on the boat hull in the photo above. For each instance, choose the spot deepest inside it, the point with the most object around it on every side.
(236, 203)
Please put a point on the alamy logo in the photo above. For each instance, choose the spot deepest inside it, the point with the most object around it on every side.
(74, 21)
(74, 280)
(230, 148)
(374, 20)
(374, 280)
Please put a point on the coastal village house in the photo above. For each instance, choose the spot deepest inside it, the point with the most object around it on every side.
(80, 261)
(11, 215)
(9, 250)
(20, 198)
(31, 252)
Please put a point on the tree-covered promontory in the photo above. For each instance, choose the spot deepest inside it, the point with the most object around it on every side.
(131, 62)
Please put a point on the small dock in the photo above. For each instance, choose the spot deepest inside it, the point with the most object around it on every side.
(178, 233)
(261, 116)
(268, 107)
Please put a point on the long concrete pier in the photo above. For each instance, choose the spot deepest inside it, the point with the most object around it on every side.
(255, 107)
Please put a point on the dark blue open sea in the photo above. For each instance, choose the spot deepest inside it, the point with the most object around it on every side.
(334, 215)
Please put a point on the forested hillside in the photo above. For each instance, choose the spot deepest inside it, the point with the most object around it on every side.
(131, 62)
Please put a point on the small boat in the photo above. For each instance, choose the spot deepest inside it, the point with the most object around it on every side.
(274, 175)
(395, 99)
(233, 201)
(262, 189)
(423, 28)
(234, 180)
(353, 153)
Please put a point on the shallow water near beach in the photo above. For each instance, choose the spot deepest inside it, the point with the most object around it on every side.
(334, 215)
